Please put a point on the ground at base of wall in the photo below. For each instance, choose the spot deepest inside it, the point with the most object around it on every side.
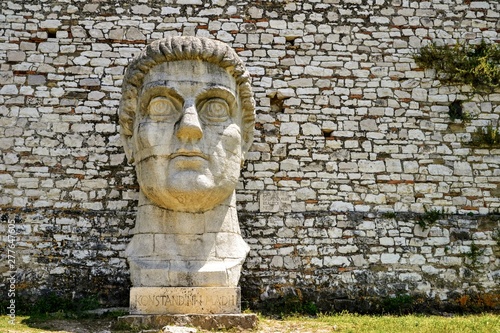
(108, 325)
(103, 326)
(343, 322)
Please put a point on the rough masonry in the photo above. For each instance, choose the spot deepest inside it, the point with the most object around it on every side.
(358, 185)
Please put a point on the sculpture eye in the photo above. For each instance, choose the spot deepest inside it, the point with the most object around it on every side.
(162, 108)
(215, 110)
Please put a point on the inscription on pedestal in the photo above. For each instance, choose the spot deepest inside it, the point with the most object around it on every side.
(183, 300)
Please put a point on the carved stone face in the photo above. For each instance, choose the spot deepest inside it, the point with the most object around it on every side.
(187, 136)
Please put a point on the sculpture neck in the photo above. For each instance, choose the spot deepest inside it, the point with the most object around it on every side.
(156, 220)
(172, 249)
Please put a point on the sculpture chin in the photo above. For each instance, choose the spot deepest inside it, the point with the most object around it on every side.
(191, 198)
(195, 189)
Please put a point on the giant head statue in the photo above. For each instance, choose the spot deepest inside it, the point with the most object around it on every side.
(187, 118)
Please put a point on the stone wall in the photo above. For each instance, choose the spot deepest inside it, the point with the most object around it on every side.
(358, 185)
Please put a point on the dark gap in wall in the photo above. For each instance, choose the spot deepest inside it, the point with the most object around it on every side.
(276, 104)
(326, 132)
(456, 110)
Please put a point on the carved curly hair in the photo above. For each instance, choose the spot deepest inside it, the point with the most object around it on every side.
(186, 48)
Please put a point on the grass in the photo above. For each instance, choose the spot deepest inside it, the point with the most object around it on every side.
(487, 323)
(430, 217)
(487, 136)
(343, 322)
(476, 65)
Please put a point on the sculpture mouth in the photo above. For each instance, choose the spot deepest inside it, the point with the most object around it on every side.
(189, 154)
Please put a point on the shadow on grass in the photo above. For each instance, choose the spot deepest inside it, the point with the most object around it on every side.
(53, 312)
(81, 323)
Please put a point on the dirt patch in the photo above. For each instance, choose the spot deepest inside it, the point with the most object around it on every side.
(107, 325)
(71, 326)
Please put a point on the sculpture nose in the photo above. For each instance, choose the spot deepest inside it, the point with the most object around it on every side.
(189, 127)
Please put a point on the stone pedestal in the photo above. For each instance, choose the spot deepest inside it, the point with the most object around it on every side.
(207, 322)
(185, 300)
(210, 308)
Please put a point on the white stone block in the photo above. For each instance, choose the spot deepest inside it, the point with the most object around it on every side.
(255, 12)
(78, 31)
(417, 259)
(451, 261)
(276, 262)
(277, 24)
(419, 94)
(410, 166)
(371, 166)
(341, 206)
(307, 91)
(141, 9)
(386, 241)
(416, 134)
(96, 95)
(305, 194)
(393, 165)
(292, 129)
(368, 125)
(425, 188)
(16, 56)
(410, 277)
(50, 24)
(439, 170)
(348, 249)
(311, 129)
(48, 47)
(336, 261)
(170, 10)
(479, 5)
(389, 258)
(376, 198)
(6, 179)
(190, 2)
(318, 71)
(184, 300)
(285, 93)
(57, 271)
(29, 112)
(462, 169)
(9, 89)
(437, 241)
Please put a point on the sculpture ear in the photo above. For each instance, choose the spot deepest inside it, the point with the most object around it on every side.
(245, 147)
(128, 146)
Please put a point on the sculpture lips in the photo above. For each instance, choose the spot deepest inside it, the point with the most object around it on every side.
(188, 154)
(189, 160)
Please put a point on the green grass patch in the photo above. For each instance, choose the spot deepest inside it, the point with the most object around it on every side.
(389, 215)
(399, 304)
(430, 217)
(457, 112)
(475, 65)
(55, 306)
(289, 305)
(342, 322)
(485, 136)
(487, 323)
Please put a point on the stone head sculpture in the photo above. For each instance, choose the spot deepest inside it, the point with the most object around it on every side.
(187, 118)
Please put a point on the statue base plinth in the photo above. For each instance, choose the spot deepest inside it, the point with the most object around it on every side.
(202, 321)
(209, 308)
(185, 300)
